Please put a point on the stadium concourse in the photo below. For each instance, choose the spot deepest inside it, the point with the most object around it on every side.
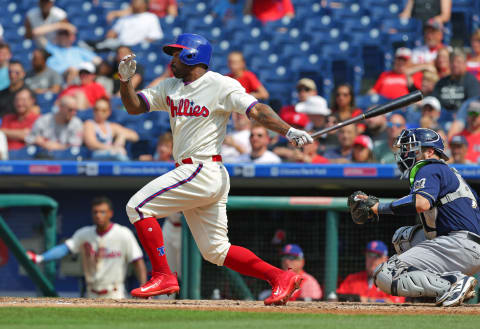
(330, 42)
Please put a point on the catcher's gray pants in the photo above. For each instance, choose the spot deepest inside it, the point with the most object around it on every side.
(446, 253)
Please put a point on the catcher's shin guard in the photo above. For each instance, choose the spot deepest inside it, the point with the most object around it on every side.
(398, 279)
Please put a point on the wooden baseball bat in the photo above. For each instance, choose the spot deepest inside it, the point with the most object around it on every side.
(397, 103)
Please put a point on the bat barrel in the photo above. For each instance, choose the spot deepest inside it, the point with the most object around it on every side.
(376, 111)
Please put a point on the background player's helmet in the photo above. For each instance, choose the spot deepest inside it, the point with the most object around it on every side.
(195, 49)
(410, 143)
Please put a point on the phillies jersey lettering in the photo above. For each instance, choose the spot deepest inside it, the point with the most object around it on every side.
(186, 108)
(199, 111)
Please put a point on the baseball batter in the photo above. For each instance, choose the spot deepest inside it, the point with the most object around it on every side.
(439, 260)
(106, 249)
(199, 103)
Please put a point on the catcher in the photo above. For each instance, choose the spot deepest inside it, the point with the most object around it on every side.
(438, 260)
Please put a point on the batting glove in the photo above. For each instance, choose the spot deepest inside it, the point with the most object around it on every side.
(127, 67)
(299, 137)
(36, 259)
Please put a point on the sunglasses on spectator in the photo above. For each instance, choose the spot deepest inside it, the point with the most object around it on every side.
(372, 254)
(394, 124)
(473, 114)
(299, 89)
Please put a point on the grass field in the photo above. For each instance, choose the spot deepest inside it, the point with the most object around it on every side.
(133, 318)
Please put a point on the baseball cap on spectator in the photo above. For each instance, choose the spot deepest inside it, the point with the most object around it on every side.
(313, 105)
(292, 250)
(474, 107)
(377, 247)
(86, 66)
(403, 52)
(306, 82)
(433, 102)
(459, 140)
(296, 119)
(434, 24)
(363, 140)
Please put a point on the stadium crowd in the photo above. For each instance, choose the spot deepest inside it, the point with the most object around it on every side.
(63, 103)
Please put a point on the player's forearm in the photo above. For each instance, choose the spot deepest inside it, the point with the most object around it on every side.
(130, 99)
(16, 134)
(406, 206)
(55, 253)
(267, 117)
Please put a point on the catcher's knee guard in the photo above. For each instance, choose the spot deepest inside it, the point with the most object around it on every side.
(407, 237)
(398, 279)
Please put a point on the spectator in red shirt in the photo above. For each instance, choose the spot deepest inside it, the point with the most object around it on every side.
(269, 10)
(16, 126)
(472, 132)
(293, 259)
(88, 91)
(393, 84)
(362, 283)
(248, 79)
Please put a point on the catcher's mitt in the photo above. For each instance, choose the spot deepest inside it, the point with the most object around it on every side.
(361, 209)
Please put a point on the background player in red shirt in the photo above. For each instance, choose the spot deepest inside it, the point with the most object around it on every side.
(361, 283)
(293, 259)
(248, 79)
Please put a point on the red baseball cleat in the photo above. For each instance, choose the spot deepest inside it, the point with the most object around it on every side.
(285, 286)
(159, 284)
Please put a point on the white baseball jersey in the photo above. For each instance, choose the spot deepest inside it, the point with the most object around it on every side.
(105, 257)
(424, 54)
(199, 111)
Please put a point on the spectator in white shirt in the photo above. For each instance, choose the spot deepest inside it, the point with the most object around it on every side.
(133, 29)
(45, 14)
(259, 140)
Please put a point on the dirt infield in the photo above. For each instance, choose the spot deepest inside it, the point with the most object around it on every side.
(241, 306)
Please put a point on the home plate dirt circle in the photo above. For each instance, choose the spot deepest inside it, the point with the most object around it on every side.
(241, 306)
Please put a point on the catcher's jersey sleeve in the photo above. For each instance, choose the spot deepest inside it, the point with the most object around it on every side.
(428, 182)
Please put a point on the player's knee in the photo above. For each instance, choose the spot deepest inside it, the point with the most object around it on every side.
(132, 213)
(383, 278)
(406, 237)
(215, 251)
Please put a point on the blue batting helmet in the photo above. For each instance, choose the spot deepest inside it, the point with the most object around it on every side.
(195, 49)
(410, 143)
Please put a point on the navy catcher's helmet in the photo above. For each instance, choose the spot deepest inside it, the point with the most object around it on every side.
(410, 143)
(195, 49)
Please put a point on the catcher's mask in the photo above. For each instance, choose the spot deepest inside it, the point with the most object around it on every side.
(409, 144)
